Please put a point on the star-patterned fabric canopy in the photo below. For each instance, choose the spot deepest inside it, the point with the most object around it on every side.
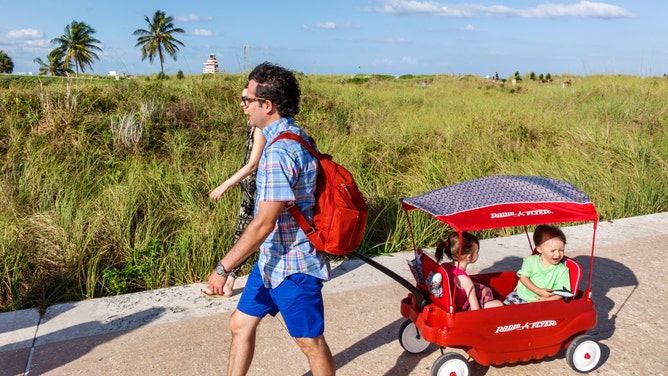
(504, 201)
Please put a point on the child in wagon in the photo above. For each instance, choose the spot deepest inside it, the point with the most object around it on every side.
(468, 295)
(543, 273)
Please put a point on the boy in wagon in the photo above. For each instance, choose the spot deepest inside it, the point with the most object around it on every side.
(544, 272)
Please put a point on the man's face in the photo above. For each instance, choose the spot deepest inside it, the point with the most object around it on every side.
(256, 109)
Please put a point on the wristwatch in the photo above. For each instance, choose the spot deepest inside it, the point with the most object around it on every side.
(220, 269)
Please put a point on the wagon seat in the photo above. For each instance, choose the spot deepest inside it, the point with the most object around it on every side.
(430, 266)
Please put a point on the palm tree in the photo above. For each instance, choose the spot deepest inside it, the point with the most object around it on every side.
(6, 63)
(55, 64)
(158, 39)
(78, 45)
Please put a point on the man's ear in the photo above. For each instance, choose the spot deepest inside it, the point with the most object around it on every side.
(269, 106)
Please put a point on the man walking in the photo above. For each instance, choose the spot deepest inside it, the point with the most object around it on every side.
(289, 273)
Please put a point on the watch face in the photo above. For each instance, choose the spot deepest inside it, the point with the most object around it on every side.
(220, 270)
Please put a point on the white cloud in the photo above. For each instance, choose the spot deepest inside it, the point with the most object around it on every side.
(469, 27)
(331, 25)
(38, 43)
(586, 9)
(24, 40)
(326, 25)
(424, 7)
(202, 33)
(582, 8)
(187, 18)
(24, 34)
(192, 17)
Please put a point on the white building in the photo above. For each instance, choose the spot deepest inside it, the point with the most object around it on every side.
(211, 65)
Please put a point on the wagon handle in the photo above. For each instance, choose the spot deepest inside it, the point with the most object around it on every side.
(420, 297)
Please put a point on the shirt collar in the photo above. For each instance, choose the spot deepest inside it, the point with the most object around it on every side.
(279, 126)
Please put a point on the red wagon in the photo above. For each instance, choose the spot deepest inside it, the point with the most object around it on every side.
(508, 334)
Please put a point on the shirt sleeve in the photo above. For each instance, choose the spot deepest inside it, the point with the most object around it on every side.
(526, 268)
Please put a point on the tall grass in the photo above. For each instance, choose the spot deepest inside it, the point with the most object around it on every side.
(104, 184)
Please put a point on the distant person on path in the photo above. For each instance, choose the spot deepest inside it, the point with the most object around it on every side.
(468, 295)
(289, 273)
(542, 273)
(245, 177)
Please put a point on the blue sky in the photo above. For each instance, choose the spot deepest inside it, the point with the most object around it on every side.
(392, 37)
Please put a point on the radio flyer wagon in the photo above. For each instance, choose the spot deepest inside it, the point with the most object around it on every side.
(508, 334)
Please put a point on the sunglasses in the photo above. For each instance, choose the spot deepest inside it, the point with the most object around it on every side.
(248, 100)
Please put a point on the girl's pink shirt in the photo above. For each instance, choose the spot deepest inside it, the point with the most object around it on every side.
(460, 294)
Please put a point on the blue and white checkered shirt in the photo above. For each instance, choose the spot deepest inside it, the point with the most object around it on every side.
(287, 172)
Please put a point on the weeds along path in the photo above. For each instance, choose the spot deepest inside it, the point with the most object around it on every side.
(104, 182)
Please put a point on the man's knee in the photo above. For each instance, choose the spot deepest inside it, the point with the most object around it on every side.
(316, 345)
(243, 324)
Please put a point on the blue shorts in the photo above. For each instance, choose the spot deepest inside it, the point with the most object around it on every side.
(298, 298)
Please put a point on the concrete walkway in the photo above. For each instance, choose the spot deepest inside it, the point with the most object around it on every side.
(177, 331)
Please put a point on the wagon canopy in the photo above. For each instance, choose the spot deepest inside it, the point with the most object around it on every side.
(505, 201)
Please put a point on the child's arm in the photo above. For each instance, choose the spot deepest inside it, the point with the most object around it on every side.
(542, 293)
(256, 152)
(467, 285)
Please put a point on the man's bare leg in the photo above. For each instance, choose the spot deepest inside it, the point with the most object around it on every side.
(319, 355)
(244, 329)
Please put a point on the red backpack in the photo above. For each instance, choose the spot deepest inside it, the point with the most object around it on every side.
(340, 209)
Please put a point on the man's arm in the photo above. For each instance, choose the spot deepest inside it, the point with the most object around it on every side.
(251, 239)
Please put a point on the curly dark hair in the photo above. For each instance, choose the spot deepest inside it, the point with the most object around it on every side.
(279, 85)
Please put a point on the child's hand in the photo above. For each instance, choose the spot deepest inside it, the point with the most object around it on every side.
(217, 193)
(545, 294)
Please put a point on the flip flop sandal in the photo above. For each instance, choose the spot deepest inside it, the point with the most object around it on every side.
(211, 295)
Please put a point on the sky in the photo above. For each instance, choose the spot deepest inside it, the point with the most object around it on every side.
(393, 37)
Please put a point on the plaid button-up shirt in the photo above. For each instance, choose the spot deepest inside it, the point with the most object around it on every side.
(287, 172)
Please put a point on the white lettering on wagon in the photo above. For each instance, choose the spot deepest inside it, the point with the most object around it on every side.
(503, 215)
(526, 325)
(526, 213)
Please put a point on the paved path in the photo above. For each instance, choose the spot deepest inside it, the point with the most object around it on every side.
(177, 331)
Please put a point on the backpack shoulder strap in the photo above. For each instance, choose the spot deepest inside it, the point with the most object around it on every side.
(291, 206)
(295, 137)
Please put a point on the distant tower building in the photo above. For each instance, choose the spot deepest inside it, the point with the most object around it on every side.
(211, 65)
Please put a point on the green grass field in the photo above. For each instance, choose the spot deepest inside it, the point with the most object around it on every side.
(104, 183)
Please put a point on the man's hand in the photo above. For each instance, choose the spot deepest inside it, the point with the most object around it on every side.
(216, 284)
